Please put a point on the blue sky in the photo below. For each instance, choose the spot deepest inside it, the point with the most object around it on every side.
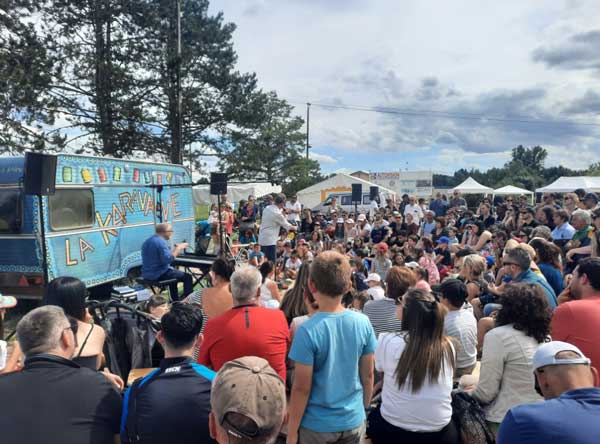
(511, 60)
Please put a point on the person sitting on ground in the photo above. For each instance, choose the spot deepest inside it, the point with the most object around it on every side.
(53, 399)
(321, 411)
(292, 265)
(375, 291)
(256, 257)
(572, 408)
(176, 396)
(359, 300)
(217, 299)
(563, 230)
(69, 294)
(577, 320)
(381, 262)
(459, 324)
(269, 293)
(548, 257)
(292, 304)
(417, 365)
(156, 306)
(157, 258)
(506, 365)
(246, 329)
(517, 264)
(382, 312)
(248, 403)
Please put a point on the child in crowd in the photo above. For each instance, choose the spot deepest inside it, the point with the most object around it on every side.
(452, 236)
(256, 256)
(375, 290)
(321, 410)
(292, 265)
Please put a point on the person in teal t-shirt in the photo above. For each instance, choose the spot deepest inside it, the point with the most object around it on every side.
(333, 352)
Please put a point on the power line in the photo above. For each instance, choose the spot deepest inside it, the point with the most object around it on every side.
(444, 114)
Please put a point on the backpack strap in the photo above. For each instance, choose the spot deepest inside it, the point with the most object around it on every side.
(128, 430)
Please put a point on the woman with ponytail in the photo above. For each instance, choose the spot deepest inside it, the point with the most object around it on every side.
(418, 366)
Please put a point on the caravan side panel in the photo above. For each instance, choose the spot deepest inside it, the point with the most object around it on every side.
(105, 244)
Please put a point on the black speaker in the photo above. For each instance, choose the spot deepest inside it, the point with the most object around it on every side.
(357, 193)
(40, 174)
(373, 193)
(218, 183)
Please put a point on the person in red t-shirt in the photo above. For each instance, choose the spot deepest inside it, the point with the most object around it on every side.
(246, 329)
(578, 320)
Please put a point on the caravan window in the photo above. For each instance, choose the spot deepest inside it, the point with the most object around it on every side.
(71, 209)
(11, 210)
(346, 200)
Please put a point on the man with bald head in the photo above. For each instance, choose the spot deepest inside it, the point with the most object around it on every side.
(157, 258)
(571, 411)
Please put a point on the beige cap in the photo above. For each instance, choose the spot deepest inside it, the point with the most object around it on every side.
(248, 388)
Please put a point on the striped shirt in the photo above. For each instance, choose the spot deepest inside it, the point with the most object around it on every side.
(196, 299)
(462, 325)
(382, 314)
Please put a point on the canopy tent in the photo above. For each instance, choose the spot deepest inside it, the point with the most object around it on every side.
(570, 184)
(235, 192)
(511, 190)
(471, 186)
(312, 196)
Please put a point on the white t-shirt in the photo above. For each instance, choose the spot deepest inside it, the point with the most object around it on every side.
(428, 410)
(289, 265)
(373, 207)
(293, 217)
(376, 293)
(462, 325)
(416, 211)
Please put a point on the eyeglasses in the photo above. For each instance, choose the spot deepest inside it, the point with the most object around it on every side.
(509, 263)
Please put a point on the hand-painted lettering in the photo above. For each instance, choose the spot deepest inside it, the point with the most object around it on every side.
(83, 248)
(70, 262)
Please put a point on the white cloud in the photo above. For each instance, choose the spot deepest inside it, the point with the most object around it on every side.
(323, 158)
(462, 57)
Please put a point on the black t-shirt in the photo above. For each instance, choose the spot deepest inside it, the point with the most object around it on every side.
(53, 400)
(447, 260)
(170, 405)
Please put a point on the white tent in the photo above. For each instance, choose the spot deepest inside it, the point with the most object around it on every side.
(235, 192)
(340, 183)
(570, 184)
(511, 190)
(471, 186)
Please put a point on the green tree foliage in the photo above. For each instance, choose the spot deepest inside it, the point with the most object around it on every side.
(272, 151)
(25, 76)
(525, 170)
(102, 73)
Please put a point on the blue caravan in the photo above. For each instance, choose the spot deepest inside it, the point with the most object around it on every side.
(94, 223)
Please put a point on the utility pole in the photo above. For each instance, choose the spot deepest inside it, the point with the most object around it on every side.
(307, 128)
(179, 128)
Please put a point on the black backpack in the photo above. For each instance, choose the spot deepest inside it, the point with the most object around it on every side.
(469, 420)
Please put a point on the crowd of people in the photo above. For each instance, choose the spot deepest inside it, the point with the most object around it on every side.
(345, 327)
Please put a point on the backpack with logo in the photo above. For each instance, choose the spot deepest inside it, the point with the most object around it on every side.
(469, 420)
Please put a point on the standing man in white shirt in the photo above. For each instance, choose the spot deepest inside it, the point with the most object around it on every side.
(293, 208)
(373, 208)
(413, 209)
(272, 221)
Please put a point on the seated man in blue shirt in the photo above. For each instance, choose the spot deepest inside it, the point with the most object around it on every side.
(172, 403)
(157, 258)
(572, 407)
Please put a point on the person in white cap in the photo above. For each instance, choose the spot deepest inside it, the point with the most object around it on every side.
(571, 411)
(375, 290)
